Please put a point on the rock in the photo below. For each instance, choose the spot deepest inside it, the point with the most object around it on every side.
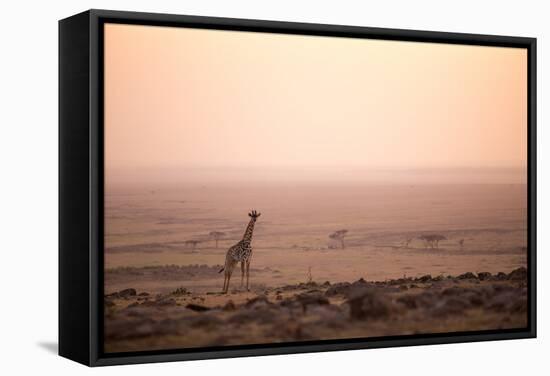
(450, 306)
(390, 289)
(399, 281)
(313, 291)
(289, 287)
(347, 289)
(501, 289)
(361, 283)
(484, 276)
(368, 304)
(415, 301)
(167, 326)
(260, 315)
(519, 306)
(126, 293)
(518, 274)
(456, 291)
(258, 302)
(331, 316)
(408, 301)
(502, 302)
(145, 329)
(180, 291)
(474, 296)
(312, 299)
(457, 304)
(292, 330)
(229, 306)
(308, 285)
(468, 275)
(165, 302)
(197, 307)
(204, 321)
(125, 328)
(476, 300)
(338, 289)
(424, 278)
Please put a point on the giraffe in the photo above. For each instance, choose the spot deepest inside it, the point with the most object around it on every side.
(242, 251)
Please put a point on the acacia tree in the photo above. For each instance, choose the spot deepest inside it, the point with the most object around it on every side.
(339, 236)
(217, 235)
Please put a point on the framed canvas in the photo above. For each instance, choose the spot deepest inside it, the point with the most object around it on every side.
(234, 187)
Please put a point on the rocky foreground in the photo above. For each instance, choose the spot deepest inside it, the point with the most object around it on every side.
(138, 320)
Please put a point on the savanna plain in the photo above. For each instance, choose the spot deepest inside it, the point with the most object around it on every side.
(330, 261)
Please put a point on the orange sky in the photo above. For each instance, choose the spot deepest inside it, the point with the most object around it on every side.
(204, 98)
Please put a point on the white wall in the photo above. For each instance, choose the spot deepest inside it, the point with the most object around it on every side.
(28, 157)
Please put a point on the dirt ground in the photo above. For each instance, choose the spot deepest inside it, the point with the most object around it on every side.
(139, 320)
(159, 249)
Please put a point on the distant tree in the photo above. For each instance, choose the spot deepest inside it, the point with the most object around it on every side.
(426, 240)
(461, 243)
(191, 244)
(432, 240)
(339, 236)
(406, 242)
(217, 235)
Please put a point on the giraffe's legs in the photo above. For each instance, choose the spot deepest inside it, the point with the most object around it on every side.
(242, 273)
(228, 272)
(224, 281)
(247, 273)
(226, 269)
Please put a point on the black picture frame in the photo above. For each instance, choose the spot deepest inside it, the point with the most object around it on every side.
(81, 185)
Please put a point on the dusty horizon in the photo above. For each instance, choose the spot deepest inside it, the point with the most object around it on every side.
(179, 99)
(159, 178)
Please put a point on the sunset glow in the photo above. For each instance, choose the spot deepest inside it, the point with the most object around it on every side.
(186, 98)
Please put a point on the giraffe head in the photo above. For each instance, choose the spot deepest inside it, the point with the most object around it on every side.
(254, 215)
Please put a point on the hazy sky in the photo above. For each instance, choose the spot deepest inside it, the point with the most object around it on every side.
(178, 98)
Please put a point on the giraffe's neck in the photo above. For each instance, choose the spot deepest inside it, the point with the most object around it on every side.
(247, 237)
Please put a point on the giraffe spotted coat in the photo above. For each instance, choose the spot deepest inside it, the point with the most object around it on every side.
(240, 252)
